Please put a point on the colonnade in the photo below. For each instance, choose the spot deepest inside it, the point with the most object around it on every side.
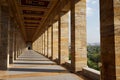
(55, 40)
(109, 32)
(11, 42)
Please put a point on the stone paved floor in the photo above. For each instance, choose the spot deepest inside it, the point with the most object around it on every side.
(33, 66)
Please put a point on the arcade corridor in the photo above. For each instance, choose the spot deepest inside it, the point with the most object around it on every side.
(57, 30)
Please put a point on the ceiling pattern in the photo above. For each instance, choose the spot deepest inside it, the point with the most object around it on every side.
(31, 14)
(34, 15)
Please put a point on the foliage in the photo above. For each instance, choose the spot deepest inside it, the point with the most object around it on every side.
(93, 56)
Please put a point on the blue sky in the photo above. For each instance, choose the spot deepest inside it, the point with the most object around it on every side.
(93, 23)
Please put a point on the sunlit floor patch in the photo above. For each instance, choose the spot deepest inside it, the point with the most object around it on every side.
(33, 66)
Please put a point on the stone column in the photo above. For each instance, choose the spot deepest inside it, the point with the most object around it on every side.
(4, 24)
(64, 54)
(52, 42)
(18, 46)
(17, 50)
(78, 35)
(55, 41)
(13, 43)
(110, 39)
(46, 39)
(59, 39)
(15, 46)
(44, 43)
(49, 42)
(40, 44)
(11, 58)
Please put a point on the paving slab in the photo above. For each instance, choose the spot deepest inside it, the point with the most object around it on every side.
(34, 66)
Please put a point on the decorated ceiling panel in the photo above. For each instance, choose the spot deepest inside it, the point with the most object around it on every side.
(31, 22)
(30, 12)
(40, 3)
(32, 15)
(32, 18)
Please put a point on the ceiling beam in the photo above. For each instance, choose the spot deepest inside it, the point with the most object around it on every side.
(33, 8)
(29, 15)
(31, 21)
(31, 25)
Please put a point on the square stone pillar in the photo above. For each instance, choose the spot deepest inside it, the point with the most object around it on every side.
(78, 35)
(39, 45)
(42, 44)
(4, 24)
(52, 42)
(11, 57)
(55, 41)
(15, 46)
(18, 46)
(34, 46)
(46, 43)
(110, 39)
(49, 43)
(64, 41)
(13, 43)
(17, 50)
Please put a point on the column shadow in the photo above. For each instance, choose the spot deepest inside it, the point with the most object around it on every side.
(36, 70)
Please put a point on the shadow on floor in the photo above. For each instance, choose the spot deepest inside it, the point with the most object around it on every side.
(32, 57)
(37, 70)
(25, 63)
(30, 60)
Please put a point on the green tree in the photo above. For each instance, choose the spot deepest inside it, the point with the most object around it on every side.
(93, 55)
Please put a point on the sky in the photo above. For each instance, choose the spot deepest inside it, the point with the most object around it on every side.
(93, 21)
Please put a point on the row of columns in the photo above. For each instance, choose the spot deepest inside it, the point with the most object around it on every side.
(110, 38)
(54, 41)
(10, 38)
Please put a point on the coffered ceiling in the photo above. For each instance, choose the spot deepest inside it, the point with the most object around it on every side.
(31, 15)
